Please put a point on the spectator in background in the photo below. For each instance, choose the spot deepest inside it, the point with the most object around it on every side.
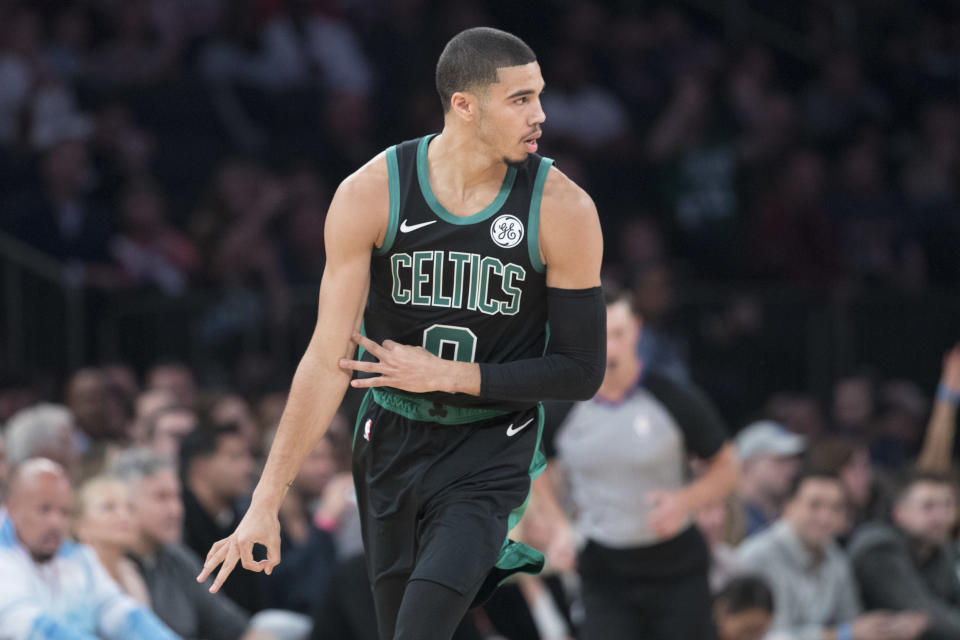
(743, 609)
(175, 378)
(854, 405)
(583, 112)
(166, 429)
(813, 584)
(216, 468)
(233, 409)
(168, 568)
(4, 470)
(64, 220)
(88, 398)
(105, 522)
(867, 493)
(149, 250)
(53, 588)
(841, 99)
(662, 349)
(908, 563)
(769, 455)
(42, 431)
(147, 403)
(790, 238)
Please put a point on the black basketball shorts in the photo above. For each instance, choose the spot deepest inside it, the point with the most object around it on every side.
(439, 487)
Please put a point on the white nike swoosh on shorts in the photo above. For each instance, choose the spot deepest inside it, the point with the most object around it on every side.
(405, 228)
(512, 432)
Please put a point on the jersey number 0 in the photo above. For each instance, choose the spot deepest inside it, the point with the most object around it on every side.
(439, 339)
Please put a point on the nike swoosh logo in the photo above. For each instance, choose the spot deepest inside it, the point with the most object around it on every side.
(512, 432)
(405, 228)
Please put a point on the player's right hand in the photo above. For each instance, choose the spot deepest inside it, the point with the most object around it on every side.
(259, 525)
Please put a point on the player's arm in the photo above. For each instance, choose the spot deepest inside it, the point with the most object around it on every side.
(356, 222)
(571, 247)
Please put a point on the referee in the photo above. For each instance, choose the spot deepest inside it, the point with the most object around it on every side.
(624, 456)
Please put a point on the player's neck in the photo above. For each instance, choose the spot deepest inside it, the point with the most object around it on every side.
(462, 163)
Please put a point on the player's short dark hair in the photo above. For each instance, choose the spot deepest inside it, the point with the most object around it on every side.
(471, 59)
(912, 477)
(744, 594)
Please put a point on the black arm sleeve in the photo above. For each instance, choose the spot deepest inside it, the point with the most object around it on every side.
(574, 364)
(703, 428)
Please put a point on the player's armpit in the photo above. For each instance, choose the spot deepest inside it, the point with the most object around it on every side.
(571, 242)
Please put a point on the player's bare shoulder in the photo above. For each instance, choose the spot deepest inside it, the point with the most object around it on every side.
(362, 201)
(569, 226)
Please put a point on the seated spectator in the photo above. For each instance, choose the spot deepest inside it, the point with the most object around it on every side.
(167, 428)
(43, 430)
(814, 590)
(150, 251)
(215, 467)
(168, 568)
(53, 588)
(743, 609)
(148, 403)
(4, 469)
(868, 494)
(105, 522)
(233, 409)
(908, 563)
(177, 379)
(88, 398)
(770, 459)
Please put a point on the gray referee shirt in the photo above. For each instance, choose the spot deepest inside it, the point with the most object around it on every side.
(613, 453)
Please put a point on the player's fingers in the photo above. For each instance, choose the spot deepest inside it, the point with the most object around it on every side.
(228, 564)
(389, 345)
(245, 547)
(364, 383)
(213, 561)
(273, 557)
(360, 365)
(216, 548)
(367, 344)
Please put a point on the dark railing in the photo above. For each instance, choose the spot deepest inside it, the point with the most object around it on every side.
(766, 339)
(43, 315)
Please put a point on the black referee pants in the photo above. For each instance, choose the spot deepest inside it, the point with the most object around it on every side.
(632, 594)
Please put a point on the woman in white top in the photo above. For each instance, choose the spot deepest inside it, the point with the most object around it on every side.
(105, 521)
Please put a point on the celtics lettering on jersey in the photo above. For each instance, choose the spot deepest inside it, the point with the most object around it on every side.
(457, 280)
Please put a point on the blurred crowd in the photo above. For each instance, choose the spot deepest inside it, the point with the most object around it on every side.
(172, 145)
(165, 147)
(839, 517)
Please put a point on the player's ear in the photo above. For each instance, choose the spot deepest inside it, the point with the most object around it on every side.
(464, 104)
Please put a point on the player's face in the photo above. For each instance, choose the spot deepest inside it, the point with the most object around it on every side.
(510, 113)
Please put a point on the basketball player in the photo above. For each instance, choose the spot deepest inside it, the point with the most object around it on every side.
(447, 257)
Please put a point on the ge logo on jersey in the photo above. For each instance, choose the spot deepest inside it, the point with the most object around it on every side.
(507, 231)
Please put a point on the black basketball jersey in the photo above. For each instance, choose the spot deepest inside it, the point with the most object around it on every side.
(469, 288)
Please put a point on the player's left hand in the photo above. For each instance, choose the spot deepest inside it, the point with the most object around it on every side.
(668, 513)
(401, 366)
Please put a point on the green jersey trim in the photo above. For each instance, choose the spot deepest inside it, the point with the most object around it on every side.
(393, 182)
(423, 175)
(423, 410)
(533, 220)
